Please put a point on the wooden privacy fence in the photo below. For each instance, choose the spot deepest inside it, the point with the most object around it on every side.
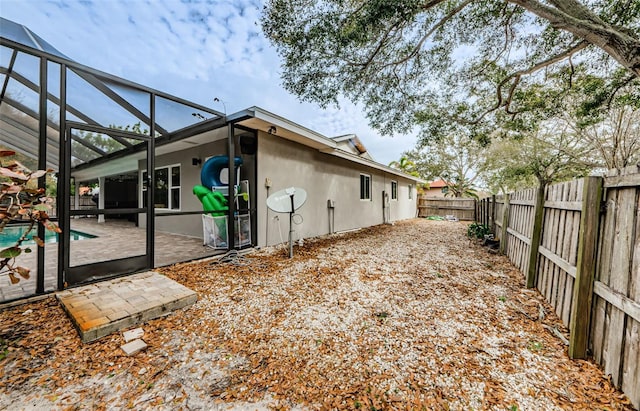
(462, 208)
(578, 243)
(84, 203)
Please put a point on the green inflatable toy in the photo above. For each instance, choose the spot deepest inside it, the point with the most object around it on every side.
(212, 201)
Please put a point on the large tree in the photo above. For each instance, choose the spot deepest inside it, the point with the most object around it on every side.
(436, 63)
(548, 155)
(455, 159)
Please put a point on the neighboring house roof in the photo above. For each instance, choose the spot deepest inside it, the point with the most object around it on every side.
(438, 184)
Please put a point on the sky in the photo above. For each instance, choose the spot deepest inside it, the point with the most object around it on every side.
(197, 50)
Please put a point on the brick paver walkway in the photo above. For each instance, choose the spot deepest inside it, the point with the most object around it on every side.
(115, 239)
(108, 306)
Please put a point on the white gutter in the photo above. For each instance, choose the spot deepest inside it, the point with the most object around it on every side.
(316, 139)
(370, 163)
(293, 131)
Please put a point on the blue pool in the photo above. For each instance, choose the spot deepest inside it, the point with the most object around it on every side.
(11, 234)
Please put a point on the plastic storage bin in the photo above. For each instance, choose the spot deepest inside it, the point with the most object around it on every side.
(214, 231)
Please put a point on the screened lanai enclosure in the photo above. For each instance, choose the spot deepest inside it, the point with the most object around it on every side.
(120, 154)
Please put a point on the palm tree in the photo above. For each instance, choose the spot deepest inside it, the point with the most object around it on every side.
(405, 165)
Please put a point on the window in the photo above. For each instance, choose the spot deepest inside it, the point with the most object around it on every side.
(410, 191)
(394, 190)
(167, 185)
(365, 187)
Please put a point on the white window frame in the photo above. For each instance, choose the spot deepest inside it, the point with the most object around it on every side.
(410, 191)
(169, 167)
(394, 190)
(365, 198)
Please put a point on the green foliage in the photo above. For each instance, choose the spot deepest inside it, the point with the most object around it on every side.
(402, 59)
(455, 158)
(477, 230)
(405, 165)
(535, 346)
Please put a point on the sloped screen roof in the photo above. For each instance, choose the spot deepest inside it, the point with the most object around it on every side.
(21, 34)
(92, 99)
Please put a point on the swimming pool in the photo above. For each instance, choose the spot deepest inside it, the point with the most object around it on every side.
(12, 233)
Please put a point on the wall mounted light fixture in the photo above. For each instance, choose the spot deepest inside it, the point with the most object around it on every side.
(196, 161)
(272, 130)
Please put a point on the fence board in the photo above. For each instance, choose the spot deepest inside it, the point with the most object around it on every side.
(461, 208)
(624, 180)
(559, 235)
(619, 281)
(614, 306)
(631, 370)
(564, 205)
(571, 243)
(600, 316)
(563, 236)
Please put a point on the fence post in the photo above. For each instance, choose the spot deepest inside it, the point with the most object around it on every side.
(486, 211)
(493, 214)
(536, 235)
(475, 210)
(585, 267)
(505, 224)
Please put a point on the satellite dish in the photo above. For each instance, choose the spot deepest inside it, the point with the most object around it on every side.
(280, 201)
(287, 201)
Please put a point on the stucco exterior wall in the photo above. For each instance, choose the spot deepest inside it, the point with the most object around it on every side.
(434, 192)
(285, 164)
(190, 225)
(324, 177)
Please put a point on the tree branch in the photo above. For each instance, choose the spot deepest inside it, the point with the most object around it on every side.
(518, 74)
(428, 34)
(618, 88)
(575, 18)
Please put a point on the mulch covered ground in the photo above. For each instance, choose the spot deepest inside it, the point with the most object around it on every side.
(411, 316)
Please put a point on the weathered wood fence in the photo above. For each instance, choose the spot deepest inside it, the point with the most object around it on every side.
(578, 243)
(462, 208)
(84, 203)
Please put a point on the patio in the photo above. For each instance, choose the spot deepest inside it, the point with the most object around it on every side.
(114, 239)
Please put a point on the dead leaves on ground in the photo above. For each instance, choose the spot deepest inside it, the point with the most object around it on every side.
(412, 316)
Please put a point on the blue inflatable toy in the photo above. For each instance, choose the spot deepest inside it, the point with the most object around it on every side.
(210, 173)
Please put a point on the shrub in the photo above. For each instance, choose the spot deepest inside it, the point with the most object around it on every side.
(477, 230)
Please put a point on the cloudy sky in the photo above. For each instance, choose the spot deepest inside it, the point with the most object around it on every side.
(197, 50)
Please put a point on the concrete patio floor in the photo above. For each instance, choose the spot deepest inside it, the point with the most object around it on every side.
(114, 239)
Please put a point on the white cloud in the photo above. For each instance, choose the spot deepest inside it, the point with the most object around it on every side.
(196, 50)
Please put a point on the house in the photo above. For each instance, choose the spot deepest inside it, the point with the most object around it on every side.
(276, 154)
(435, 188)
(149, 152)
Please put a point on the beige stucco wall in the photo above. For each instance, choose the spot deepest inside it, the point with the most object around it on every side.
(287, 164)
(190, 225)
(324, 177)
(434, 192)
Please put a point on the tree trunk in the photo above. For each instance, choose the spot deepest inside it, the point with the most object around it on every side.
(574, 17)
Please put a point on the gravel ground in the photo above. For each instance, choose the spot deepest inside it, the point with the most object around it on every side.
(410, 316)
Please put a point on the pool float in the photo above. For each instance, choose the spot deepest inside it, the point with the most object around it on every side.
(210, 173)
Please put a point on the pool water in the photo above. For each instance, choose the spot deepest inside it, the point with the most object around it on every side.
(11, 234)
